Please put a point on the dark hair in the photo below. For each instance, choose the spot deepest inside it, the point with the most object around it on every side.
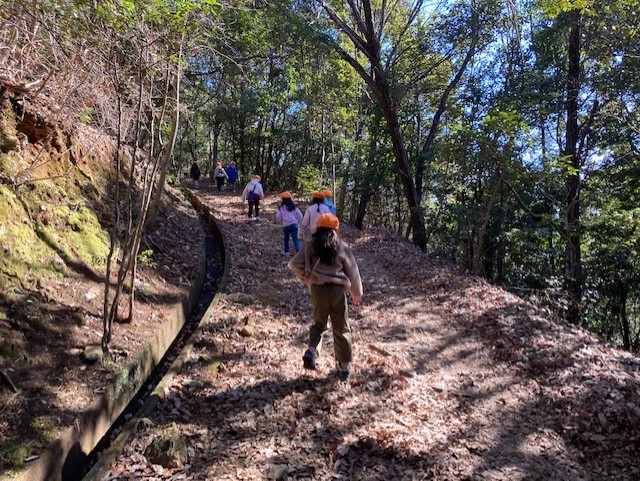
(317, 200)
(325, 244)
(288, 203)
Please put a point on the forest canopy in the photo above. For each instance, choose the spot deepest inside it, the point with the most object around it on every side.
(504, 136)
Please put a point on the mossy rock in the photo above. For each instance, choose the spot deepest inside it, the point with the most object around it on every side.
(55, 215)
(24, 253)
(215, 366)
(13, 456)
(169, 450)
(93, 353)
(248, 331)
(207, 344)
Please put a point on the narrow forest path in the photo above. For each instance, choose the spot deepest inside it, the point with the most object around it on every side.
(453, 378)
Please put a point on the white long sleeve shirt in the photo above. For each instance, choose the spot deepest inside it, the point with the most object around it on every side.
(310, 219)
(255, 183)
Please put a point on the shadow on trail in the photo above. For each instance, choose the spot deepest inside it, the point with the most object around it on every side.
(540, 399)
(577, 420)
(244, 417)
(39, 325)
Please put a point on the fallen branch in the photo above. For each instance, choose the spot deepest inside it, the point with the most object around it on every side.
(11, 85)
(9, 382)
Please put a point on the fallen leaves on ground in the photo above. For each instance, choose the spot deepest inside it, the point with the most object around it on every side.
(453, 378)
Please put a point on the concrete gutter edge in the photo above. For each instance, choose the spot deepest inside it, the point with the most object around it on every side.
(62, 459)
(101, 467)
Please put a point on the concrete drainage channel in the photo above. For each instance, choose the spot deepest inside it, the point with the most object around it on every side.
(87, 450)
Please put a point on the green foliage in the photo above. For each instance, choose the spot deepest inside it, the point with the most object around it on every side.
(145, 258)
(108, 362)
(553, 8)
(309, 180)
(14, 456)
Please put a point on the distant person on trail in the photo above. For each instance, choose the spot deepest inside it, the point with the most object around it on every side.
(328, 201)
(220, 175)
(252, 193)
(232, 176)
(313, 212)
(289, 216)
(328, 267)
(195, 174)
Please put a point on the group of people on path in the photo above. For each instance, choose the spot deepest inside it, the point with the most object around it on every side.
(324, 263)
(221, 175)
(228, 175)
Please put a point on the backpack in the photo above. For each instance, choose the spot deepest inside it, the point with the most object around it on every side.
(252, 196)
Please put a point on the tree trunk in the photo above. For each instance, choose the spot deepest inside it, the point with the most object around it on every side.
(572, 260)
(379, 85)
(478, 247)
(168, 149)
(362, 209)
(624, 319)
(402, 162)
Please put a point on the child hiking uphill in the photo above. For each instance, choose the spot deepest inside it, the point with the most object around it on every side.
(328, 267)
(289, 217)
(313, 213)
(252, 193)
(328, 201)
(220, 175)
(195, 174)
(232, 176)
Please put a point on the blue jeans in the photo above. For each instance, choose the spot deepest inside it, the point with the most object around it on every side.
(291, 230)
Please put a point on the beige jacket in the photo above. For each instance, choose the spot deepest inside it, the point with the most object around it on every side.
(343, 271)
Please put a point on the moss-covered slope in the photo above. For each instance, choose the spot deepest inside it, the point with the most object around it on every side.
(53, 197)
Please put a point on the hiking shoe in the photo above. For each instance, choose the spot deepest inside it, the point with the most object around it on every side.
(309, 359)
(343, 371)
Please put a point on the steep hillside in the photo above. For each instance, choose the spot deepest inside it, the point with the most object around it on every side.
(454, 379)
(55, 209)
(53, 193)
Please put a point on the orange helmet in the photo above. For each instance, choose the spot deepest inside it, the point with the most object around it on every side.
(328, 220)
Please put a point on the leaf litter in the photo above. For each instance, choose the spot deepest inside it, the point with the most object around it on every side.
(453, 378)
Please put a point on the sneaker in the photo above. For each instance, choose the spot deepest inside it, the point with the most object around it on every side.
(249, 219)
(257, 219)
(309, 359)
(343, 371)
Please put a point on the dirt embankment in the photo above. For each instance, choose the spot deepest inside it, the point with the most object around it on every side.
(54, 215)
(453, 379)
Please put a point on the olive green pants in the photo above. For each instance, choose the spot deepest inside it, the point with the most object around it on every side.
(330, 300)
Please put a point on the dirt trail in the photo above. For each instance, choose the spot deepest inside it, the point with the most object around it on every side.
(453, 379)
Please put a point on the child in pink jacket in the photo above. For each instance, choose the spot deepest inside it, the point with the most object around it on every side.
(289, 216)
